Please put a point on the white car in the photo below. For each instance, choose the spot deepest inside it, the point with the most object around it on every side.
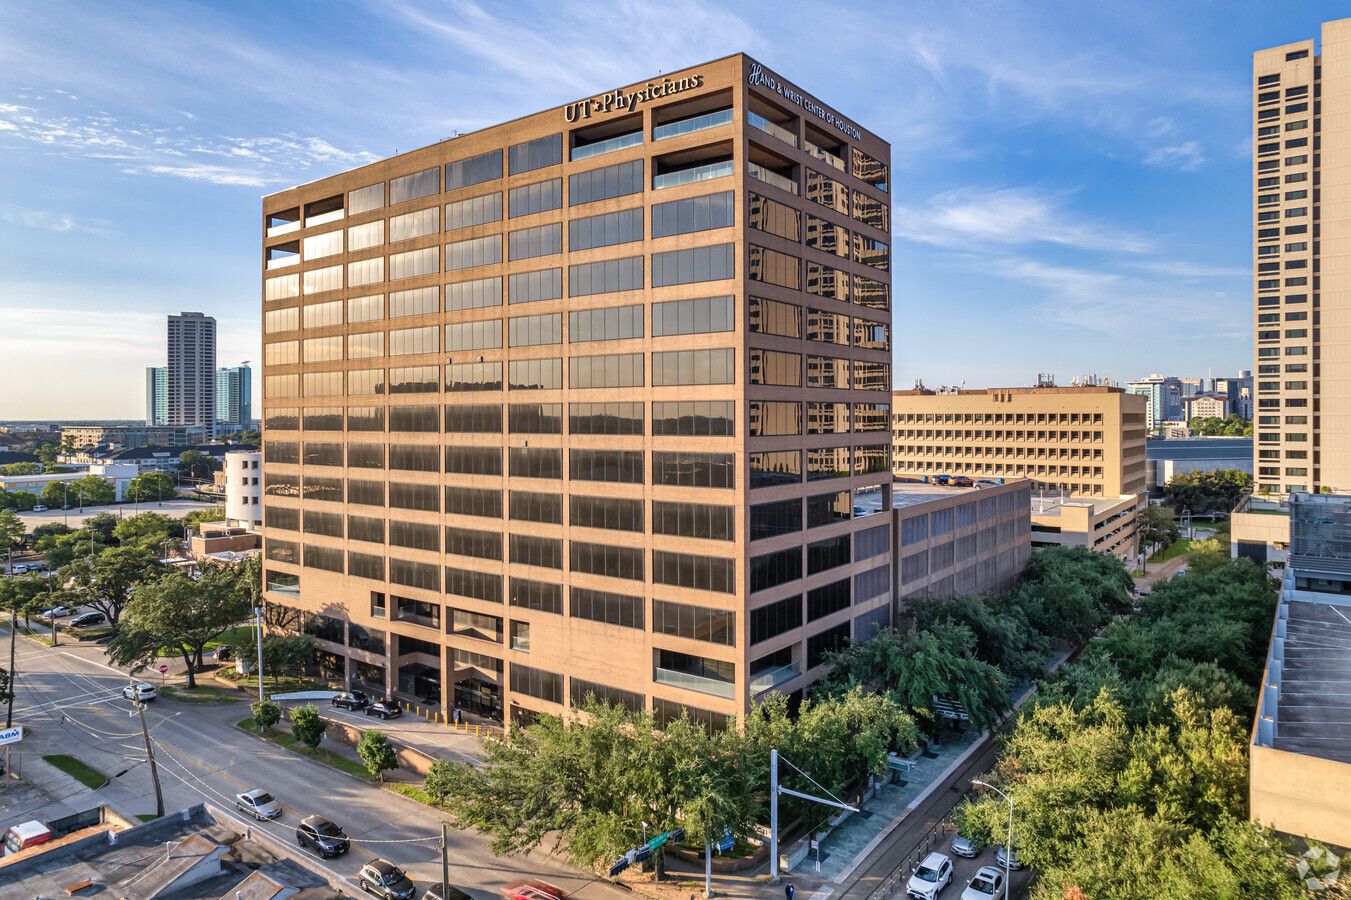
(140, 691)
(986, 884)
(932, 875)
(39, 508)
(59, 612)
(259, 804)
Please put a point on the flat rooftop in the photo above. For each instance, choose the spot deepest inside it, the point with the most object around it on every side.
(1313, 712)
(912, 493)
(1051, 505)
(1236, 448)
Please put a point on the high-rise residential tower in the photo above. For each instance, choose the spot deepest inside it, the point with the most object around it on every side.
(157, 395)
(1302, 259)
(234, 398)
(581, 403)
(192, 370)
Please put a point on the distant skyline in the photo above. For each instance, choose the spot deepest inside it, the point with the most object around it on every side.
(1070, 183)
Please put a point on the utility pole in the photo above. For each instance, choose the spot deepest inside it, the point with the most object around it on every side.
(150, 755)
(445, 861)
(13, 635)
(774, 792)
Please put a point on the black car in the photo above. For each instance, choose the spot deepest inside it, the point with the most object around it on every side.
(384, 879)
(322, 836)
(384, 709)
(84, 620)
(440, 892)
(352, 700)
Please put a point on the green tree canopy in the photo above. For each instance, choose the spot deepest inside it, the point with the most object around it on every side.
(20, 500)
(1232, 425)
(150, 486)
(147, 530)
(175, 612)
(195, 465)
(283, 654)
(1207, 492)
(377, 753)
(307, 725)
(1157, 526)
(116, 572)
(21, 468)
(12, 531)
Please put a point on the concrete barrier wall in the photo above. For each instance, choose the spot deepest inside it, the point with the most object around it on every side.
(413, 760)
(1300, 795)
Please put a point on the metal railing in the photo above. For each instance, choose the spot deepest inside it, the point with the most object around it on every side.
(618, 142)
(697, 173)
(691, 682)
(757, 171)
(774, 677)
(691, 125)
(772, 128)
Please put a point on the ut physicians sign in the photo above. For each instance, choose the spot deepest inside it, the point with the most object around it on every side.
(619, 99)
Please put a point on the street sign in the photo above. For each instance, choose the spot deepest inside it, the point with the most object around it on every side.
(725, 842)
(11, 735)
(658, 841)
(163, 669)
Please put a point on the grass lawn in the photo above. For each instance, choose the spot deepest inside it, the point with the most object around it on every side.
(203, 693)
(319, 754)
(147, 817)
(234, 637)
(1176, 548)
(411, 791)
(85, 774)
(273, 685)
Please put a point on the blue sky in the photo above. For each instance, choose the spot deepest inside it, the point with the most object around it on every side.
(1071, 180)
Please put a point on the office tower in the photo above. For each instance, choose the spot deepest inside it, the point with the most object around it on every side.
(1302, 309)
(234, 398)
(1237, 390)
(1083, 446)
(581, 403)
(156, 395)
(192, 370)
(1164, 396)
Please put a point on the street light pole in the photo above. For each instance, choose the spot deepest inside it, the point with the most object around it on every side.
(1008, 846)
(259, 612)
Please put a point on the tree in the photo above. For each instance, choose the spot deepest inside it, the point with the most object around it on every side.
(115, 574)
(151, 486)
(21, 468)
(12, 531)
(1004, 636)
(250, 436)
(147, 531)
(175, 612)
(1157, 526)
(918, 668)
(283, 654)
(1207, 492)
(266, 714)
(377, 753)
(1232, 425)
(306, 725)
(195, 465)
(439, 781)
(46, 452)
(20, 500)
(195, 518)
(90, 490)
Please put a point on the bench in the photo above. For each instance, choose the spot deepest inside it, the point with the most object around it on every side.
(75, 887)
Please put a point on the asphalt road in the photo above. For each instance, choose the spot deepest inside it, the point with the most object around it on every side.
(72, 702)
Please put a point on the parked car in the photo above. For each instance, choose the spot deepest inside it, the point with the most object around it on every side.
(24, 835)
(140, 691)
(39, 508)
(322, 836)
(19, 569)
(59, 612)
(384, 879)
(85, 620)
(960, 481)
(385, 709)
(1012, 858)
(930, 877)
(968, 848)
(352, 700)
(986, 884)
(225, 653)
(442, 892)
(259, 804)
(533, 890)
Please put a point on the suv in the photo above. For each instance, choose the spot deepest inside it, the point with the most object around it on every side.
(352, 700)
(140, 691)
(384, 709)
(931, 876)
(322, 836)
(384, 879)
(84, 620)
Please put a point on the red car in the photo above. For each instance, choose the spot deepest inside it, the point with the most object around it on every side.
(533, 890)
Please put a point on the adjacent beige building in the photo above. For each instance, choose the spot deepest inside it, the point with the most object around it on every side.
(1085, 441)
(581, 403)
(1302, 263)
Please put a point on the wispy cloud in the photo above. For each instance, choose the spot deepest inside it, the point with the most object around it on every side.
(142, 148)
(1009, 216)
(46, 220)
(1186, 156)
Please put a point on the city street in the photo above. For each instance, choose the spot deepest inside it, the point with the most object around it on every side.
(71, 703)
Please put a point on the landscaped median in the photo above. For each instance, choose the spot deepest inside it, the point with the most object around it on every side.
(289, 741)
(82, 772)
